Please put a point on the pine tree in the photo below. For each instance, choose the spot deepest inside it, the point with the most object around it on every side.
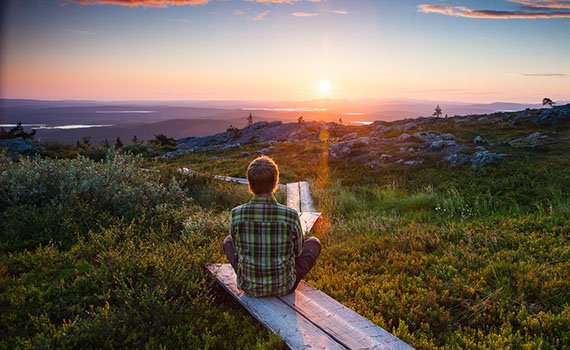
(86, 141)
(437, 112)
(300, 120)
(548, 101)
(118, 143)
(249, 119)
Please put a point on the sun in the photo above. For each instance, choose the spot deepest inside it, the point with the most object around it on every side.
(324, 87)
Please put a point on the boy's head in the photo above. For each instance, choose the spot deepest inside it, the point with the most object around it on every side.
(263, 175)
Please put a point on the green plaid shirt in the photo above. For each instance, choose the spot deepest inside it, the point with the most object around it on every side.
(268, 238)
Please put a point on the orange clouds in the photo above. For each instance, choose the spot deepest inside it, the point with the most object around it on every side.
(304, 14)
(282, 1)
(145, 3)
(462, 11)
(543, 4)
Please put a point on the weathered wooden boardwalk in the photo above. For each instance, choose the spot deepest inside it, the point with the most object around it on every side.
(307, 318)
(299, 198)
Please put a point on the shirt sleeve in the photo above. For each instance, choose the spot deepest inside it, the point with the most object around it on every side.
(298, 238)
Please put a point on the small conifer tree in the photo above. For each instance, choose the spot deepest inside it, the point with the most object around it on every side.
(437, 112)
(118, 143)
(548, 101)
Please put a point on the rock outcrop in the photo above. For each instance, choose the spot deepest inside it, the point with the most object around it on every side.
(408, 142)
(19, 146)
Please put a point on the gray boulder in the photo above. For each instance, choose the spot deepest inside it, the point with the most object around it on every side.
(533, 139)
(350, 136)
(413, 162)
(457, 159)
(403, 137)
(342, 150)
(19, 146)
(482, 158)
(436, 145)
(554, 115)
(178, 152)
(479, 141)
(265, 150)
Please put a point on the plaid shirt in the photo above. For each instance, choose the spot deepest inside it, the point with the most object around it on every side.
(268, 238)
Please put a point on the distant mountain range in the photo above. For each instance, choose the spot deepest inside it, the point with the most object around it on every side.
(195, 118)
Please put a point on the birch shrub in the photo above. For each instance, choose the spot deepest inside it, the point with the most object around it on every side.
(107, 255)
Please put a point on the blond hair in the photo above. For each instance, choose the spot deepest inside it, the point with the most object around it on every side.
(263, 175)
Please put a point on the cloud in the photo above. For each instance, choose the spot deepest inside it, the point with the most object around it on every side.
(282, 1)
(304, 14)
(340, 12)
(260, 16)
(179, 20)
(462, 11)
(144, 3)
(274, 1)
(542, 4)
(81, 32)
(549, 75)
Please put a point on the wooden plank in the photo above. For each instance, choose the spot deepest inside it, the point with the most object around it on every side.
(305, 197)
(239, 180)
(308, 220)
(274, 314)
(187, 171)
(232, 179)
(293, 196)
(346, 326)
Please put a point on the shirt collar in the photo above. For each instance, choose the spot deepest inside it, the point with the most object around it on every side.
(258, 199)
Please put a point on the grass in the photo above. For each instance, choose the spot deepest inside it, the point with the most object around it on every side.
(445, 258)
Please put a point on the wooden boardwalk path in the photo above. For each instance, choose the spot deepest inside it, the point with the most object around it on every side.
(307, 318)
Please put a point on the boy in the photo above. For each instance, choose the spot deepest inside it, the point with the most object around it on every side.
(266, 246)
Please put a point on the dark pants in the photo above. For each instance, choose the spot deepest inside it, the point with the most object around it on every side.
(303, 263)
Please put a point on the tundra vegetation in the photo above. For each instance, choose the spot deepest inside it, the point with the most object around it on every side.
(102, 253)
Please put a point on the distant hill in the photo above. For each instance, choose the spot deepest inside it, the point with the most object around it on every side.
(196, 118)
(173, 128)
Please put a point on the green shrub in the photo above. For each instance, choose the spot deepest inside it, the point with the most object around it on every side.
(105, 255)
(117, 185)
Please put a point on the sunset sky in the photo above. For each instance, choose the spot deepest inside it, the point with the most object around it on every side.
(477, 51)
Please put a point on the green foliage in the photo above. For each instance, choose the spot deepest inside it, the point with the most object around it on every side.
(5, 160)
(233, 131)
(117, 185)
(59, 150)
(137, 148)
(163, 141)
(16, 131)
(105, 255)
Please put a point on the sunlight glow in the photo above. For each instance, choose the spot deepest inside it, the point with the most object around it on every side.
(325, 87)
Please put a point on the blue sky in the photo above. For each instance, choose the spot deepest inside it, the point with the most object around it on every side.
(476, 51)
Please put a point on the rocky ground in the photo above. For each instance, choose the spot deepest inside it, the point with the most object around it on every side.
(20, 146)
(408, 142)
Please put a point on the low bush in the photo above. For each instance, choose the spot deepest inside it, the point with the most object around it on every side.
(105, 255)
